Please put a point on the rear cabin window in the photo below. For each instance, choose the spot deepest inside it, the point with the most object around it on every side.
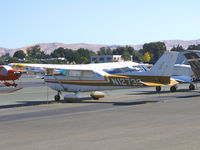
(74, 73)
(88, 74)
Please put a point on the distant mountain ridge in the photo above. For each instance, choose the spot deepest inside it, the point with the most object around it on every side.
(50, 47)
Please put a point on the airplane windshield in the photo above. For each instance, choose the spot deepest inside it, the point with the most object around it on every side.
(113, 71)
(126, 70)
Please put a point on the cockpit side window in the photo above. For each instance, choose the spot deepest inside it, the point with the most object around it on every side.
(3, 71)
(63, 72)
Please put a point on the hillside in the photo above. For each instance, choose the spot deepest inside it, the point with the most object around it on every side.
(49, 47)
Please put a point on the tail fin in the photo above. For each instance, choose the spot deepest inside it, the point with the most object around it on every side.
(194, 61)
(165, 65)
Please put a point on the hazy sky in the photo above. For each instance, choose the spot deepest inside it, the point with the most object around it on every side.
(28, 22)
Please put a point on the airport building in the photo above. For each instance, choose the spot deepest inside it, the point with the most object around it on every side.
(107, 58)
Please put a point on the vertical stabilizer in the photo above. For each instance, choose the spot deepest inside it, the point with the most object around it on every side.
(164, 66)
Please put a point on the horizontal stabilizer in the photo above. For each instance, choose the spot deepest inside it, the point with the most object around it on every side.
(172, 82)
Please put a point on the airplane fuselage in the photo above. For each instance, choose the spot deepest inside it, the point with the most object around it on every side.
(12, 75)
(107, 82)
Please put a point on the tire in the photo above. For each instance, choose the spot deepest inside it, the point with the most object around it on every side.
(173, 89)
(191, 87)
(158, 88)
(94, 98)
(57, 98)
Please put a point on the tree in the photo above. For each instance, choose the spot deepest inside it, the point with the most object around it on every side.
(194, 47)
(13, 60)
(119, 51)
(130, 50)
(126, 56)
(146, 57)
(136, 56)
(43, 55)
(2, 60)
(84, 52)
(179, 48)
(104, 51)
(19, 54)
(34, 52)
(155, 49)
(69, 55)
(59, 52)
(83, 60)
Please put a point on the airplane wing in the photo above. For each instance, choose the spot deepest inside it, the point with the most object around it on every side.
(52, 66)
(79, 67)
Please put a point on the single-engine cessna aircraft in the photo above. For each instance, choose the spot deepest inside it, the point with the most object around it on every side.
(7, 73)
(194, 61)
(83, 78)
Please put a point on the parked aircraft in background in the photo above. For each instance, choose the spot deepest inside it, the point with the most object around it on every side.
(183, 74)
(194, 61)
(8, 74)
(36, 70)
(84, 78)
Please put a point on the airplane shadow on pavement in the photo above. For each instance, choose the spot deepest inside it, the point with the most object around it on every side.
(189, 96)
(81, 100)
(154, 92)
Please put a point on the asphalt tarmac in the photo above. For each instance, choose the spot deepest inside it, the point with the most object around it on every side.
(135, 119)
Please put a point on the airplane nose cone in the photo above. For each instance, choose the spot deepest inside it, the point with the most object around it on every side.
(16, 74)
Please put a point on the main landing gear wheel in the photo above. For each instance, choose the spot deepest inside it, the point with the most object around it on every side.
(173, 89)
(94, 98)
(57, 97)
(191, 87)
(158, 88)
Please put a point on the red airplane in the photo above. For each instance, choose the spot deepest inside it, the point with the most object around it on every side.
(8, 73)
